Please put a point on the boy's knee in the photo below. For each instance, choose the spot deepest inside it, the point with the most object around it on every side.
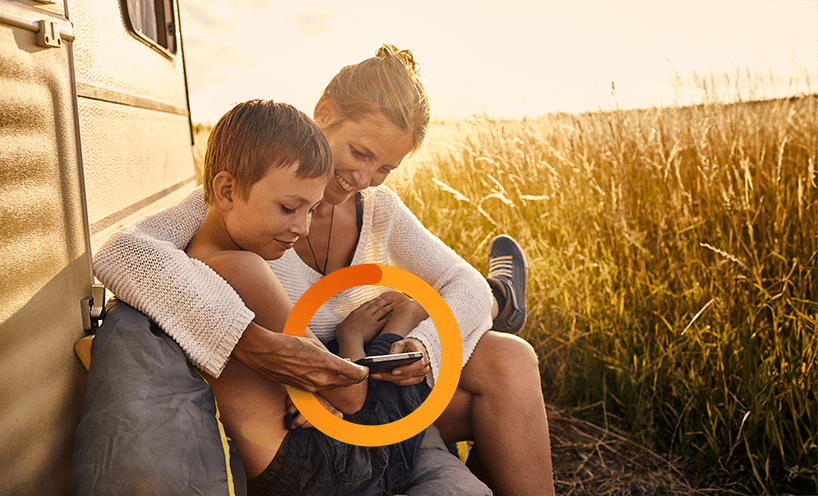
(411, 309)
(395, 297)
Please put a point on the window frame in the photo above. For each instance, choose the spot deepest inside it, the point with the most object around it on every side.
(166, 9)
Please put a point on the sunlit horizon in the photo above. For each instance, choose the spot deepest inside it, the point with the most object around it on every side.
(506, 60)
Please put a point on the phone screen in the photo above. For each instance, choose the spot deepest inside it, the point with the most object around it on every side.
(385, 363)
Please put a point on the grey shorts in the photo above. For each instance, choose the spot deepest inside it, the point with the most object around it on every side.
(310, 463)
(439, 473)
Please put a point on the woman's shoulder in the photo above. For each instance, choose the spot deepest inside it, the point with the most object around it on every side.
(381, 196)
(192, 202)
(380, 191)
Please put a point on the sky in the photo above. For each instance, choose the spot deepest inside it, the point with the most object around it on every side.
(505, 58)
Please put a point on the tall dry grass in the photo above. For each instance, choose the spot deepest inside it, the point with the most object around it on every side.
(672, 271)
(200, 134)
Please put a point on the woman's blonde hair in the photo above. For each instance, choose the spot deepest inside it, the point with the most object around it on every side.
(389, 83)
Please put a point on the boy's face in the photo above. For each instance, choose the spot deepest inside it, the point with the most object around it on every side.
(277, 212)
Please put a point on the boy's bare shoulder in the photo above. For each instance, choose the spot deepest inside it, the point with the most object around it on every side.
(237, 266)
(250, 276)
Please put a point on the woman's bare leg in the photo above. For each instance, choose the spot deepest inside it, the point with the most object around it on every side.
(499, 404)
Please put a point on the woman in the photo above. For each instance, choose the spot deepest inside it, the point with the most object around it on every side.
(373, 114)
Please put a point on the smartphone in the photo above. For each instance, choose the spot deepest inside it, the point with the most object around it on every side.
(384, 363)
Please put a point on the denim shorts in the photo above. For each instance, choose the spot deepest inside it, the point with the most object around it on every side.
(310, 463)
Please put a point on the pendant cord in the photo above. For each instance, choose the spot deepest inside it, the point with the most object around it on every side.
(329, 239)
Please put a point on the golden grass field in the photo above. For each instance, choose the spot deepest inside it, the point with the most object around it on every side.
(672, 283)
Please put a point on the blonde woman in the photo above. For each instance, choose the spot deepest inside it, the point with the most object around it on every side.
(373, 115)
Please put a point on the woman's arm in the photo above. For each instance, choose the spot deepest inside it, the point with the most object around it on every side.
(258, 286)
(299, 362)
(413, 248)
(145, 266)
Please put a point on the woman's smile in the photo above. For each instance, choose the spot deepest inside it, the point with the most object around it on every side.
(340, 181)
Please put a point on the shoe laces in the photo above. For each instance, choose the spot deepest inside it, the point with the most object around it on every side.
(501, 266)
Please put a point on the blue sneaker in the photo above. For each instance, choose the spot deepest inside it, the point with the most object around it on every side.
(508, 275)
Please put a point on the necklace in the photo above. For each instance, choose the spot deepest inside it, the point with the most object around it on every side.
(329, 239)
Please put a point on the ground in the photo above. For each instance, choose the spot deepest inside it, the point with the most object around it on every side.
(591, 460)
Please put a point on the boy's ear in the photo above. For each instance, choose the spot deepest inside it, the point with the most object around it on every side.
(224, 189)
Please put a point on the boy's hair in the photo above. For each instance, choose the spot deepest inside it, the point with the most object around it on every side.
(258, 135)
(390, 83)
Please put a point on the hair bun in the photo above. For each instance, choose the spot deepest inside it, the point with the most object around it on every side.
(405, 56)
(388, 83)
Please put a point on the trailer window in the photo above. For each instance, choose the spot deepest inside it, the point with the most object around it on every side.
(152, 21)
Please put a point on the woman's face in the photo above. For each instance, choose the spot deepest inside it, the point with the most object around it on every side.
(363, 152)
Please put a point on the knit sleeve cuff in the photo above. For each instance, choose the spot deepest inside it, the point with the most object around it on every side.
(427, 334)
(206, 337)
(214, 361)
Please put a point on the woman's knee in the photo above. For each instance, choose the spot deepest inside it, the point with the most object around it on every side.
(498, 360)
(508, 351)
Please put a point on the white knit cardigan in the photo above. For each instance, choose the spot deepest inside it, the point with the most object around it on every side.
(145, 266)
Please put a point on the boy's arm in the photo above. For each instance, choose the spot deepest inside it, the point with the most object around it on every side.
(390, 313)
(258, 286)
(405, 318)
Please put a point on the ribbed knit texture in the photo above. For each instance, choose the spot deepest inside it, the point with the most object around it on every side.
(144, 266)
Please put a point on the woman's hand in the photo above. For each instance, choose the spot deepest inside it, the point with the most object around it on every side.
(294, 360)
(299, 421)
(408, 374)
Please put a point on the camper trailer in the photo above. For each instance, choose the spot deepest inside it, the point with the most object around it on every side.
(94, 132)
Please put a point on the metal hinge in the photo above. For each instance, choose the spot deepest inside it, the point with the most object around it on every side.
(49, 35)
(50, 29)
(93, 307)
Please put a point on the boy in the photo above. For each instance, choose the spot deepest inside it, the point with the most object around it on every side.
(265, 170)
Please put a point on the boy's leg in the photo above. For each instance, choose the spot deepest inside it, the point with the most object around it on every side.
(310, 462)
(381, 344)
(436, 472)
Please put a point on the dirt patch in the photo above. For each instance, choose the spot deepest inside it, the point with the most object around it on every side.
(591, 460)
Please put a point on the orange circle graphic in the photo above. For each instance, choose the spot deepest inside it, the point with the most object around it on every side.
(450, 342)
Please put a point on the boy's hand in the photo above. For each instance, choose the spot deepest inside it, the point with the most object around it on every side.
(367, 320)
(299, 421)
(408, 374)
